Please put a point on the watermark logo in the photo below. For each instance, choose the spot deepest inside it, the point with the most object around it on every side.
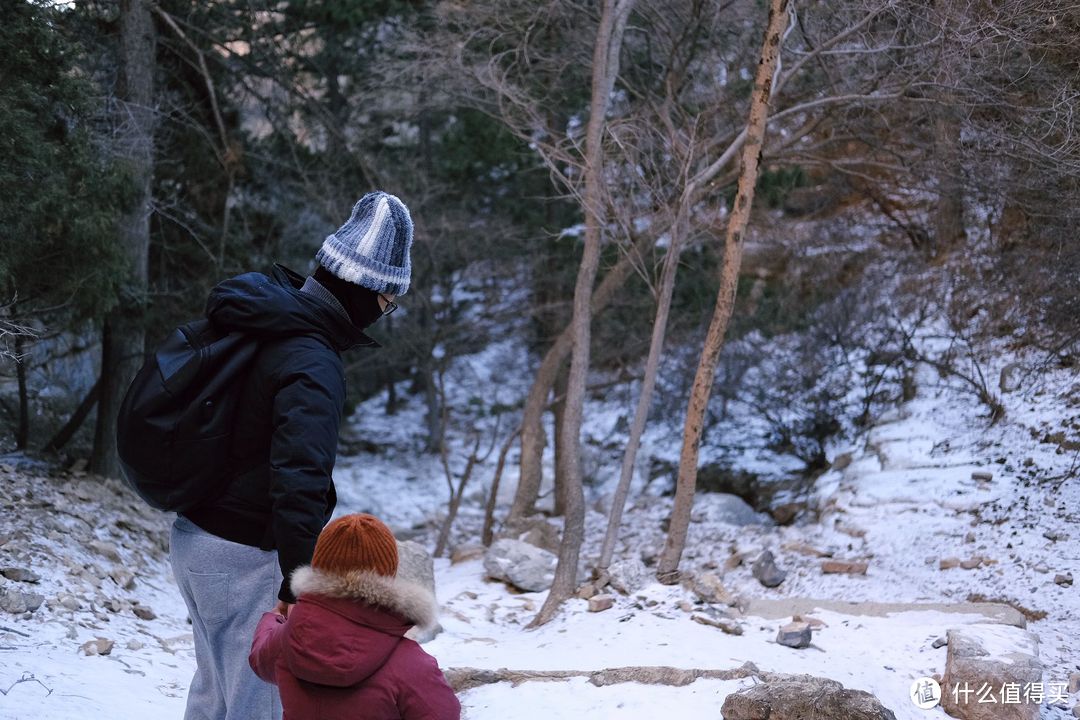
(925, 693)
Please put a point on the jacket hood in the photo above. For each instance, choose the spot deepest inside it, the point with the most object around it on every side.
(345, 627)
(272, 306)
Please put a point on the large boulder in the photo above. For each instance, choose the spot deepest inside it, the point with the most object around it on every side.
(796, 697)
(522, 565)
(535, 530)
(415, 564)
(986, 663)
(628, 575)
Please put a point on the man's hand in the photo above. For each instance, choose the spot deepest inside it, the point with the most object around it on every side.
(282, 608)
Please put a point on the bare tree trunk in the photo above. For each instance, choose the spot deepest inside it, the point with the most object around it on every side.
(652, 365)
(532, 429)
(667, 567)
(559, 410)
(949, 231)
(493, 497)
(605, 69)
(455, 496)
(123, 336)
(64, 435)
(22, 430)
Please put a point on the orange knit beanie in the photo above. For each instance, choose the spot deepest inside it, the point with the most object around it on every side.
(356, 542)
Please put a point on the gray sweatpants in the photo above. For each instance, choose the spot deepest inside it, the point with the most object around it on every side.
(227, 587)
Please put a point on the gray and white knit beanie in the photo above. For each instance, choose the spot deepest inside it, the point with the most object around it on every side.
(372, 248)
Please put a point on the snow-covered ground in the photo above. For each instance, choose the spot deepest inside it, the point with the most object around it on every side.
(905, 500)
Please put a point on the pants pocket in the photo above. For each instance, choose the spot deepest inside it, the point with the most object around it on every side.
(211, 594)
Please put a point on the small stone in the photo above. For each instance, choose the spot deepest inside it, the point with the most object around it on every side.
(766, 571)
(982, 475)
(810, 620)
(685, 605)
(69, 602)
(794, 635)
(113, 605)
(1054, 535)
(971, 563)
(20, 574)
(135, 644)
(106, 550)
(464, 553)
(842, 461)
(804, 549)
(124, 578)
(97, 646)
(586, 591)
(1076, 710)
(1074, 683)
(628, 576)
(970, 537)
(949, 563)
(599, 603)
(728, 626)
(1065, 580)
(709, 588)
(785, 514)
(847, 567)
(939, 642)
(1042, 568)
(143, 613)
(17, 603)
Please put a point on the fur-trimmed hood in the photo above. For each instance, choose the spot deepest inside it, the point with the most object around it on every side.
(410, 600)
(345, 627)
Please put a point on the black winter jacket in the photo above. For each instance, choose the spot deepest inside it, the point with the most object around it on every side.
(285, 440)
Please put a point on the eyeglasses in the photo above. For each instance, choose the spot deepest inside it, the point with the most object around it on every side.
(391, 306)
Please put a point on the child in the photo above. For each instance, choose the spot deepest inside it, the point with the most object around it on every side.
(341, 653)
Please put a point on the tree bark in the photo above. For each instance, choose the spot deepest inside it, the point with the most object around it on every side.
(63, 437)
(605, 69)
(667, 567)
(493, 497)
(22, 430)
(559, 411)
(123, 336)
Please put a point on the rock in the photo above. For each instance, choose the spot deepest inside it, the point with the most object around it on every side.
(1065, 580)
(810, 620)
(939, 642)
(586, 591)
(794, 635)
(599, 603)
(1055, 535)
(804, 549)
(629, 575)
(143, 613)
(69, 602)
(1074, 683)
(949, 563)
(766, 572)
(733, 510)
(535, 531)
(135, 645)
(709, 588)
(794, 697)
(523, 565)
(989, 655)
(723, 623)
(106, 550)
(416, 565)
(98, 646)
(20, 575)
(1009, 380)
(841, 461)
(123, 578)
(17, 602)
(113, 605)
(970, 537)
(785, 514)
(1042, 568)
(1076, 710)
(685, 605)
(464, 553)
(847, 567)
(983, 475)
(971, 563)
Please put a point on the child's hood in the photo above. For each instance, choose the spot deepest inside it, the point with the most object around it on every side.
(345, 627)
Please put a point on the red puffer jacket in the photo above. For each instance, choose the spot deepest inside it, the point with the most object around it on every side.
(342, 654)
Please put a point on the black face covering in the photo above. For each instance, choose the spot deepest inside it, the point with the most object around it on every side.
(361, 304)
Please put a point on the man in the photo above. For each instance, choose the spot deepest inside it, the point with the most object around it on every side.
(233, 555)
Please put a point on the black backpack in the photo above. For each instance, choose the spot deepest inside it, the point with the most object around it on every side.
(174, 430)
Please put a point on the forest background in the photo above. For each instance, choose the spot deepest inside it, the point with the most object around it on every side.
(619, 186)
